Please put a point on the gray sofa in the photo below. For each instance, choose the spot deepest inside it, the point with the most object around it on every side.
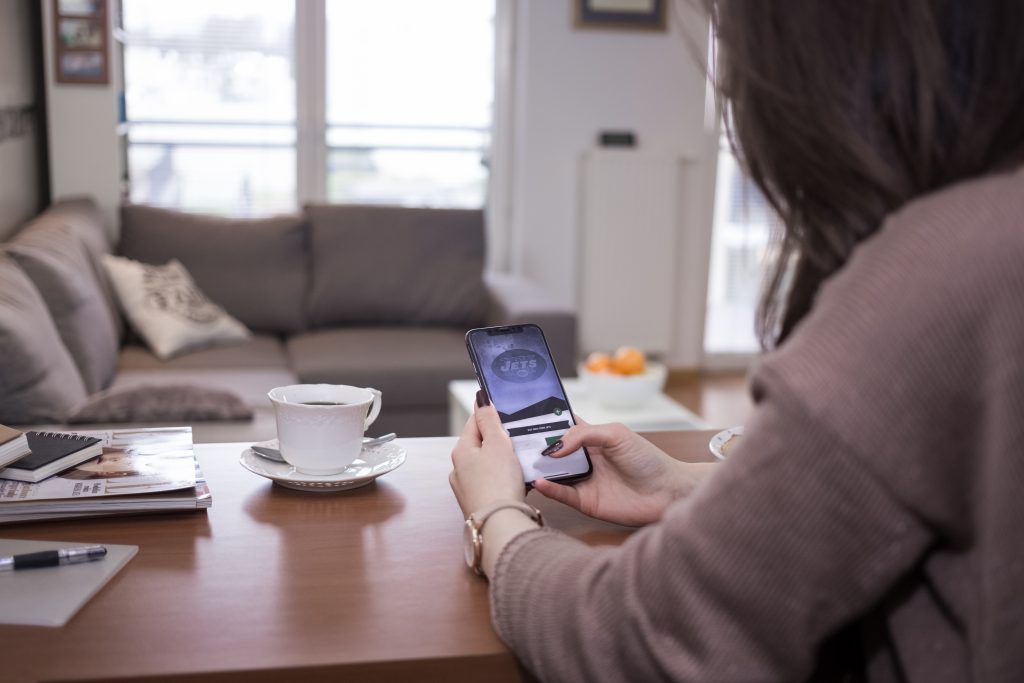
(363, 295)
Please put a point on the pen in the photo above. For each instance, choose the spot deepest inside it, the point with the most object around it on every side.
(53, 558)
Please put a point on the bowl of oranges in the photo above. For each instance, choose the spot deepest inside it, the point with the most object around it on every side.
(624, 379)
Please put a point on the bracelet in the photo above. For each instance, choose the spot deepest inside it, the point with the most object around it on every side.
(473, 538)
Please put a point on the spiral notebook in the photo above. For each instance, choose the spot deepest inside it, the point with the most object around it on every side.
(52, 452)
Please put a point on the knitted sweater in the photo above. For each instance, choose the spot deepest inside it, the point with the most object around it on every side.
(870, 523)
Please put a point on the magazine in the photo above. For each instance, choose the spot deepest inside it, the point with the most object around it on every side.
(198, 498)
(133, 462)
(140, 470)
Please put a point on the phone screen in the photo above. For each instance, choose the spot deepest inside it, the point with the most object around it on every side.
(516, 370)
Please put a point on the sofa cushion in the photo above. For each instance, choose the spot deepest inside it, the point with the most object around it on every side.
(167, 310)
(249, 384)
(255, 268)
(393, 265)
(411, 366)
(260, 351)
(249, 370)
(147, 403)
(410, 422)
(81, 215)
(39, 381)
(54, 257)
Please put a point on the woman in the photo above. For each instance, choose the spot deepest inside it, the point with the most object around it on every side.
(869, 525)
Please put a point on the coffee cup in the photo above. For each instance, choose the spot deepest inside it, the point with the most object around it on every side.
(320, 427)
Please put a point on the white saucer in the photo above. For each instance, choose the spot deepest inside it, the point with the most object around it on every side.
(719, 440)
(371, 463)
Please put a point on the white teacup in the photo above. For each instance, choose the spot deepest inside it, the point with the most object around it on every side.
(320, 426)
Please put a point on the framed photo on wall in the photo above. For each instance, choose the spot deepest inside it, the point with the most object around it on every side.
(641, 15)
(81, 39)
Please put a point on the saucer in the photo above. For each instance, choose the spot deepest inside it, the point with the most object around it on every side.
(371, 463)
(718, 441)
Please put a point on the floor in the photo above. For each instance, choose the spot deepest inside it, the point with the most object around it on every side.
(720, 398)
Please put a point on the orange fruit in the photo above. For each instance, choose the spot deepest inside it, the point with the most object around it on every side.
(598, 361)
(628, 361)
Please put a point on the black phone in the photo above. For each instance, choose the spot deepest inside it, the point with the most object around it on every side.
(514, 366)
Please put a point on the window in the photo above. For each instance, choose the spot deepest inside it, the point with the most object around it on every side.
(409, 108)
(212, 86)
(210, 99)
(742, 224)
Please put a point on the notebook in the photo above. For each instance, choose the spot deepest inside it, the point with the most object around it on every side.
(52, 452)
(52, 595)
(13, 445)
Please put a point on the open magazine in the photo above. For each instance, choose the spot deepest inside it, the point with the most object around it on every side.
(139, 470)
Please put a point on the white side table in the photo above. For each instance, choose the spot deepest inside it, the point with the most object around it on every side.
(660, 413)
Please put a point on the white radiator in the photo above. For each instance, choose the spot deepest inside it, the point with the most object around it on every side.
(629, 225)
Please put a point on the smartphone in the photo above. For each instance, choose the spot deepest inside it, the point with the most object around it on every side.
(514, 366)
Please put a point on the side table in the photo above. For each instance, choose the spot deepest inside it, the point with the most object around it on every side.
(660, 413)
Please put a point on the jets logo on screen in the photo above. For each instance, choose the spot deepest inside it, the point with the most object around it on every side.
(519, 365)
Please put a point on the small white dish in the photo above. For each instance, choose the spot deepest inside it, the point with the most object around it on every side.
(718, 441)
(371, 463)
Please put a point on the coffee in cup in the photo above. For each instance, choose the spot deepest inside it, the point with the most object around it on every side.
(320, 427)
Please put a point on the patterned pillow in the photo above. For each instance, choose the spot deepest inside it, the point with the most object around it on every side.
(165, 307)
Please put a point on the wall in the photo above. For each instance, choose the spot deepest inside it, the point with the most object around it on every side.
(85, 156)
(568, 85)
(21, 191)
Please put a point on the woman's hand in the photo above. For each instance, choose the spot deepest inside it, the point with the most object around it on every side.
(486, 469)
(633, 480)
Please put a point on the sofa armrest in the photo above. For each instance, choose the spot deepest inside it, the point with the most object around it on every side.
(513, 300)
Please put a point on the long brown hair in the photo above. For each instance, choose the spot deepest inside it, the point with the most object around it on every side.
(843, 111)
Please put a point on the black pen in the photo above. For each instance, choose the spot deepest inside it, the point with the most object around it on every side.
(53, 558)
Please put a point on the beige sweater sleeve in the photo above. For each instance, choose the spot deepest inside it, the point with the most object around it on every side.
(744, 580)
(884, 455)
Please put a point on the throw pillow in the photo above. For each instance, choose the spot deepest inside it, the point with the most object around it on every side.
(165, 307)
(160, 403)
(38, 379)
(56, 260)
(82, 216)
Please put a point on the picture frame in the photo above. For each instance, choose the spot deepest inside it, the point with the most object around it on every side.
(81, 42)
(635, 15)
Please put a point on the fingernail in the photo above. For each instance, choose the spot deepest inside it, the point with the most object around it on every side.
(553, 448)
(481, 398)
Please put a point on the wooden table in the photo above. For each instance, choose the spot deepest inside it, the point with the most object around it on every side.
(273, 584)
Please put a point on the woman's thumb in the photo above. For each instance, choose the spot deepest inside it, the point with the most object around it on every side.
(563, 494)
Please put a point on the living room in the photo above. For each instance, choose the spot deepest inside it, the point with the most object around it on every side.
(324, 287)
(524, 144)
(578, 221)
(561, 165)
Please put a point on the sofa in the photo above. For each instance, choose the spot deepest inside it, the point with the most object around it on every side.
(365, 295)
